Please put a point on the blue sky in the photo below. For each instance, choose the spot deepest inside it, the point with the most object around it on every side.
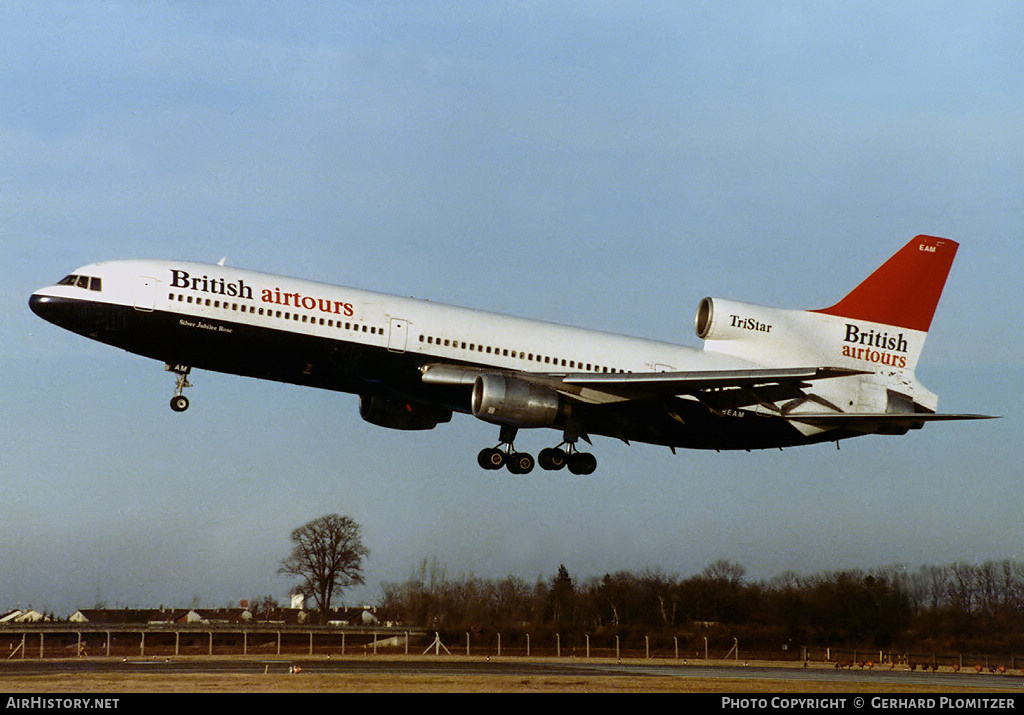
(604, 164)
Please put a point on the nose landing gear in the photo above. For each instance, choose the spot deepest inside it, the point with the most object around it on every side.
(179, 403)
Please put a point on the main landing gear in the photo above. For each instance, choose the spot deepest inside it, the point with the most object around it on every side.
(552, 458)
(179, 403)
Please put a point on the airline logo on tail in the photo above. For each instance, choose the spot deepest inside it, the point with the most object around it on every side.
(862, 341)
(903, 293)
(905, 290)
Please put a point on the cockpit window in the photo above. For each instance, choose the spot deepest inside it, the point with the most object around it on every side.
(87, 282)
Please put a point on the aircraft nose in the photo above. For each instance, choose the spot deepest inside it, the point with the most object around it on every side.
(39, 304)
(46, 307)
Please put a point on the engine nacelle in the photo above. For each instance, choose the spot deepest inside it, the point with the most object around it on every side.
(505, 400)
(385, 411)
(719, 319)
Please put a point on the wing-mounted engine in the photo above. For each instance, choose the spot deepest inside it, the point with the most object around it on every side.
(385, 411)
(506, 400)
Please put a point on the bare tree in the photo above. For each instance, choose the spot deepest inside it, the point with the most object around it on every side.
(327, 557)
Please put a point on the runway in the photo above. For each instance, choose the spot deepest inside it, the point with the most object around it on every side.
(643, 674)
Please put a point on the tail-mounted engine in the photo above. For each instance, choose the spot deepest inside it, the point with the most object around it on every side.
(719, 319)
(768, 336)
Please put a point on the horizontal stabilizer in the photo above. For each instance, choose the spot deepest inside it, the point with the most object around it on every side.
(879, 422)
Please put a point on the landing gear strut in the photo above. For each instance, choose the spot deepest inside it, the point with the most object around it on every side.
(552, 458)
(566, 455)
(504, 455)
(179, 403)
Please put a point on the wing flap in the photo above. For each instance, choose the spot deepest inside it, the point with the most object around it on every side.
(681, 383)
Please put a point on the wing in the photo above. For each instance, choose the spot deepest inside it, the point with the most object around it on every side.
(617, 387)
(602, 388)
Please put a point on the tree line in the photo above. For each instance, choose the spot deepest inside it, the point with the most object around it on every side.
(957, 607)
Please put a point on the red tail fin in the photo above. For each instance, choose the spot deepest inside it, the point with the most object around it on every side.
(905, 290)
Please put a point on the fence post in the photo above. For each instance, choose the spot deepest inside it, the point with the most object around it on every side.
(647, 647)
(527, 645)
(467, 642)
(588, 644)
(558, 645)
(617, 651)
(499, 645)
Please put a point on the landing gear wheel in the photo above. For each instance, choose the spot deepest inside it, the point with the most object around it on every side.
(179, 403)
(552, 458)
(582, 463)
(491, 458)
(520, 463)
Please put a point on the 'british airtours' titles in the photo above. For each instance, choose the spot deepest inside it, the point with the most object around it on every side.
(239, 289)
(205, 284)
(860, 343)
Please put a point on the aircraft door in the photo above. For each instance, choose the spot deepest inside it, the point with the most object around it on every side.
(398, 335)
(145, 294)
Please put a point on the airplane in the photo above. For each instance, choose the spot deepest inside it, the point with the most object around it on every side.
(765, 377)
